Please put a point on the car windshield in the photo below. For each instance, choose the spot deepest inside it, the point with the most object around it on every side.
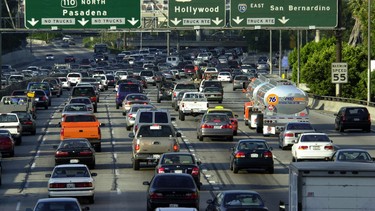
(63, 172)
(173, 182)
(129, 88)
(80, 100)
(57, 205)
(315, 138)
(155, 131)
(80, 118)
(215, 118)
(212, 89)
(22, 115)
(147, 73)
(185, 86)
(297, 126)
(242, 199)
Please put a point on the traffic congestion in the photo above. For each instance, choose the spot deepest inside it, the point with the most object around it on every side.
(205, 129)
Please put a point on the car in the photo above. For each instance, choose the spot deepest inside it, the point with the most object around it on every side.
(352, 155)
(233, 117)
(55, 85)
(50, 57)
(131, 115)
(124, 89)
(211, 83)
(251, 154)
(182, 86)
(213, 94)
(27, 121)
(55, 204)
(312, 146)
(152, 116)
(111, 80)
(86, 91)
(84, 100)
(215, 125)
(65, 84)
(355, 117)
(176, 103)
(7, 143)
(291, 132)
(180, 162)
(75, 150)
(172, 190)
(134, 98)
(70, 59)
(41, 98)
(41, 85)
(165, 90)
(74, 78)
(71, 180)
(240, 82)
(75, 109)
(236, 200)
(224, 76)
(103, 80)
(149, 75)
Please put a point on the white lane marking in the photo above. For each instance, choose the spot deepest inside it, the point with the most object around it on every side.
(212, 182)
(115, 155)
(117, 172)
(18, 206)
(118, 191)
(33, 166)
(37, 154)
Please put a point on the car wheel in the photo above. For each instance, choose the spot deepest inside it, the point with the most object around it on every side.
(128, 128)
(11, 154)
(124, 113)
(158, 100)
(367, 129)
(136, 165)
(95, 109)
(220, 101)
(98, 148)
(201, 138)
(246, 123)
(235, 132)
(234, 89)
(58, 95)
(235, 168)
(181, 116)
(230, 138)
(46, 107)
(97, 100)
(270, 170)
(91, 199)
(33, 132)
(117, 106)
(341, 128)
(106, 88)
(19, 141)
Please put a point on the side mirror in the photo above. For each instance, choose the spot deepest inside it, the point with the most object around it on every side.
(271, 148)
(94, 174)
(178, 134)
(101, 124)
(199, 162)
(48, 175)
(146, 183)
(131, 135)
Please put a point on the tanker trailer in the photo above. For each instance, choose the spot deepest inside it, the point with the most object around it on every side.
(276, 102)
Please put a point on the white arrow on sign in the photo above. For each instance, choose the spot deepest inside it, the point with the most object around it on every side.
(175, 21)
(133, 21)
(33, 22)
(283, 20)
(238, 20)
(217, 21)
(83, 22)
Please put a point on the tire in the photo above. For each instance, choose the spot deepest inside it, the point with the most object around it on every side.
(95, 109)
(270, 170)
(33, 132)
(235, 168)
(259, 130)
(128, 128)
(231, 166)
(181, 115)
(58, 95)
(220, 101)
(11, 154)
(92, 166)
(18, 141)
(341, 128)
(235, 132)
(158, 100)
(201, 138)
(49, 103)
(97, 100)
(230, 138)
(117, 106)
(124, 113)
(246, 123)
(98, 148)
(91, 199)
(46, 107)
(234, 89)
(136, 165)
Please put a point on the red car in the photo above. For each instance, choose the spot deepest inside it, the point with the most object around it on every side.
(6, 143)
(189, 69)
(70, 59)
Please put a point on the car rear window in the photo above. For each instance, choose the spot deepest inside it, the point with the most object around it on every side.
(80, 118)
(129, 88)
(147, 117)
(173, 182)
(83, 91)
(147, 73)
(155, 131)
(299, 127)
(185, 86)
(74, 75)
(356, 112)
(315, 138)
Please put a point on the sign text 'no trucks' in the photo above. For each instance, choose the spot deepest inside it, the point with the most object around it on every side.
(82, 14)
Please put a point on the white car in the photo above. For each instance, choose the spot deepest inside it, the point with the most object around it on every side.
(312, 146)
(71, 180)
(291, 131)
(58, 204)
(65, 84)
(224, 76)
(84, 100)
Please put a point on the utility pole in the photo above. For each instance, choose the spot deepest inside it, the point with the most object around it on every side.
(338, 35)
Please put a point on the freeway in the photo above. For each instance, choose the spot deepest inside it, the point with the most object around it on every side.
(119, 187)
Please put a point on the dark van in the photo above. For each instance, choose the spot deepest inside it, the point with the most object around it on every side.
(356, 117)
(124, 89)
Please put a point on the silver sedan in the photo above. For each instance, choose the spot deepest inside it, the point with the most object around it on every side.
(75, 108)
(215, 125)
(291, 132)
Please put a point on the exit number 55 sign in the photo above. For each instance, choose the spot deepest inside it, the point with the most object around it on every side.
(339, 73)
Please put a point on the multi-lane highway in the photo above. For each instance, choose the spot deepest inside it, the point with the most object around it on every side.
(119, 187)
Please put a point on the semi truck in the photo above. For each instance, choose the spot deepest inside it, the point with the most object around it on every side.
(273, 102)
(330, 186)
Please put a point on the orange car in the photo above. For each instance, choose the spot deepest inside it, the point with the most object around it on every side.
(233, 117)
(82, 126)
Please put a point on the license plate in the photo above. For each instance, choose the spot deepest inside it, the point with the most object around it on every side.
(316, 147)
(254, 155)
(178, 171)
(356, 119)
(74, 161)
(173, 205)
(70, 185)
(217, 127)
(156, 156)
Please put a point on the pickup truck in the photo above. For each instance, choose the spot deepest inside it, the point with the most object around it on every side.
(181, 87)
(151, 141)
(192, 103)
(11, 122)
(82, 126)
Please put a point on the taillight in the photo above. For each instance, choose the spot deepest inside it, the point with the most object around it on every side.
(303, 147)
(289, 135)
(137, 147)
(191, 196)
(83, 185)
(93, 99)
(207, 126)
(61, 154)
(156, 195)
(195, 171)
(161, 170)
(174, 94)
(267, 154)
(62, 132)
(328, 147)
(57, 185)
(176, 148)
(240, 155)
(130, 116)
(85, 153)
(228, 126)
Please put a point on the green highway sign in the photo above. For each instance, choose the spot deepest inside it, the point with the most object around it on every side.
(196, 13)
(309, 14)
(82, 14)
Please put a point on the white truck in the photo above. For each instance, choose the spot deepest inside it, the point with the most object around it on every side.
(10, 122)
(330, 186)
(193, 104)
(274, 102)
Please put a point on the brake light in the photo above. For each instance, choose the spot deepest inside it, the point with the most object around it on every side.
(93, 99)
(57, 185)
(137, 147)
(43, 98)
(61, 154)
(83, 185)
(228, 126)
(289, 135)
(195, 171)
(176, 148)
(328, 147)
(156, 195)
(267, 154)
(303, 147)
(174, 94)
(207, 126)
(87, 152)
(161, 170)
(240, 155)
(130, 116)
(62, 132)
(191, 196)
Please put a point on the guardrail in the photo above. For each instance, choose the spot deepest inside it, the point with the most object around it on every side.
(342, 99)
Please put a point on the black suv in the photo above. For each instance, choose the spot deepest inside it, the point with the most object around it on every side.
(86, 91)
(353, 118)
(165, 90)
(212, 83)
